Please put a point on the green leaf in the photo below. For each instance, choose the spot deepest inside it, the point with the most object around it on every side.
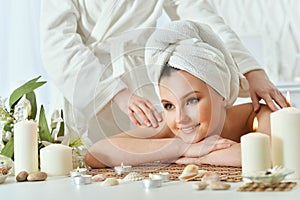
(8, 126)
(24, 89)
(32, 99)
(44, 131)
(62, 126)
(8, 150)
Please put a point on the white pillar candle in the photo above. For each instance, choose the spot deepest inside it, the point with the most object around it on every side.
(255, 149)
(56, 160)
(25, 146)
(285, 130)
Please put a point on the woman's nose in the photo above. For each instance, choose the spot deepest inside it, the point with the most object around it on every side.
(181, 116)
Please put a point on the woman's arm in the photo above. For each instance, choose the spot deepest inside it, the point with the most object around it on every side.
(225, 157)
(136, 146)
(133, 151)
(144, 145)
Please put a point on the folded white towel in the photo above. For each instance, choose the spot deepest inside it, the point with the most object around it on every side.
(195, 48)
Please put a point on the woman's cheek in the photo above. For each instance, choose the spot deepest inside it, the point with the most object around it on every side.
(170, 118)
(193, 113)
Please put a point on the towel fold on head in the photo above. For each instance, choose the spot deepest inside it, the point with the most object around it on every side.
(195, 48)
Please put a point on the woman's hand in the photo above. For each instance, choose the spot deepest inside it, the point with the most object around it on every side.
(262, 88)
(138, 108)
(225, 157)
(209, 144)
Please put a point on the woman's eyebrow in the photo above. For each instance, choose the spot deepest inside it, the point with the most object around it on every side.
(192, 92)
(163, 100)
(184, 96)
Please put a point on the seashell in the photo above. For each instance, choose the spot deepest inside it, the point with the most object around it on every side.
(98, 178)
(219, 186)
(190, 172)
(210, 177)
(110, 182)
(133, 176)
(199, 185)
(201, 173)
(191, 169)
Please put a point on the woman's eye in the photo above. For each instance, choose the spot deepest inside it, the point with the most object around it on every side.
(193, 100)
(169, 106)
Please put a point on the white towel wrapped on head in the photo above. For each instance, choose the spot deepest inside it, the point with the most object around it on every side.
(195, 48)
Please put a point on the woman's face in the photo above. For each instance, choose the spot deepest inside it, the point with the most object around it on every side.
(193, 109)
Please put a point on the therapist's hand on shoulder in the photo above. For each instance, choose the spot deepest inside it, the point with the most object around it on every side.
(262, 88)
(138, 108)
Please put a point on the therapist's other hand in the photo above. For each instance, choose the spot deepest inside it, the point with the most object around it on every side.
(138, 108)
(262, 88)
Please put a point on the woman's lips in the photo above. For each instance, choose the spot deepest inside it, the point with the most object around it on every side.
(189, 129)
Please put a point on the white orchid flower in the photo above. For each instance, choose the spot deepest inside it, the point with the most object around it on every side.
(22, 109)
(2, 102)
(27, 107)
(8, 136)
(55, 118)
(1, 145)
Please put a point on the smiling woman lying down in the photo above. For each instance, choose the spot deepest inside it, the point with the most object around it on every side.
(190, 66)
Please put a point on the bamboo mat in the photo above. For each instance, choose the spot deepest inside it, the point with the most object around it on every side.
(227, 174)
(259, 187)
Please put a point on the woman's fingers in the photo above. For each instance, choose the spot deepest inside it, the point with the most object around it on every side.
(220, 146)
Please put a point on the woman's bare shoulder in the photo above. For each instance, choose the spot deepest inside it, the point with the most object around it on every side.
(238, 121)
(241, 111)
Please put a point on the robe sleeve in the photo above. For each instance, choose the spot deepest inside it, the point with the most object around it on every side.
(71, 64)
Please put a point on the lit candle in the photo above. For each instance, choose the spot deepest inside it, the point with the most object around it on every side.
(82, 179)
(162, 175)
(78, 172)
(25, 146)
(56, 159)
(123, 169)
(285, 129)
(255, 149)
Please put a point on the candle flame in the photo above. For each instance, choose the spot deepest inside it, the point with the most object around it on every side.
(122, 165)
(255, 124)
(77, 169)
(288, 98)
(55, 137)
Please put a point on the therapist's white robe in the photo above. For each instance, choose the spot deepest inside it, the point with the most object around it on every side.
(92, 49)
